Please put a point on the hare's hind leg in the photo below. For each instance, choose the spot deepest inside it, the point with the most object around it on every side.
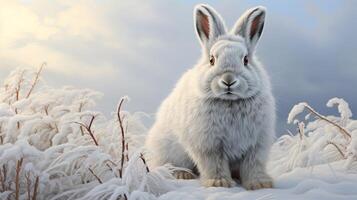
(165, 149)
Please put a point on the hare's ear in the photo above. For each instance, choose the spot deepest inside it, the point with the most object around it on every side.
(250, 26)
(208, 23)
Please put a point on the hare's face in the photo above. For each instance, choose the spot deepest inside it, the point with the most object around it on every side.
(228, 70)
(230, 74)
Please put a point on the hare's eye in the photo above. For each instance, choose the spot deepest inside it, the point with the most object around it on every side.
(245, 60)
(212, 60)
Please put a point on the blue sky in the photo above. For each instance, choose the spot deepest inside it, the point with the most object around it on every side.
(141, 48)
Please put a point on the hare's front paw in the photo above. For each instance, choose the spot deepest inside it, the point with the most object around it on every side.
(218, 182)
(257, 183)
(183, 175)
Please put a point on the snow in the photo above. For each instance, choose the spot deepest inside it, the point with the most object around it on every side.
(317, 183)
(50, 132)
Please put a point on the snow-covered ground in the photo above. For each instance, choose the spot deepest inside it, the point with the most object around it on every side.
(53, 146)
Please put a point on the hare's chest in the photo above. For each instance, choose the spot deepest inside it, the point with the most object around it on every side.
(236, 132)
(227, 128)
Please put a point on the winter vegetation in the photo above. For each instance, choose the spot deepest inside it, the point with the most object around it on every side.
(53, 145)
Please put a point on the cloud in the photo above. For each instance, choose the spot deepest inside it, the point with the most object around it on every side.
(73, 38)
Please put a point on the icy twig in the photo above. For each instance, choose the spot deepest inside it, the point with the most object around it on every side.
(112, 162)
(34, 83)
(17, 178)
(35, 188)
(338, 148)
(46, 109)
(28, 184)
(80, 107)
(110, 167)
(144, 161)
(18, 87)
(120, 120)
(95, 175)
(3, 174)
(17, 92)
(127, 151)
(342, 130)
(343, 109)
(89, 129)
(301, 126)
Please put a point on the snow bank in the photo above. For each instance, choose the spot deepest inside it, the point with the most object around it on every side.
(54, 146)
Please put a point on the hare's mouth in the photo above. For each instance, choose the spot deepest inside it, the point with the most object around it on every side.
(229, 95)
(229, 91)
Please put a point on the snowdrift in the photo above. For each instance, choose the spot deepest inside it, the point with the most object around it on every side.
(54, 146)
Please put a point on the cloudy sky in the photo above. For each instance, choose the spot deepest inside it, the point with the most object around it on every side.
(140, 48)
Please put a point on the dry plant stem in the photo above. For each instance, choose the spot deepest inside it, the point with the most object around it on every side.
(35, 81)
(46, 109)
(28, 184)
(1, 138)
(301, 130)
(2, 182)
(120, 120)
(81, 129)
(89, 129)
(35, 189)
(99, 180)
(18, 86)
(111, 169)
(80, 107)
(338, 148)
(17, 93)
(144, 161)
(127, 152)
(342, 130)
(17, 178)
(112, 162)
(3, 174)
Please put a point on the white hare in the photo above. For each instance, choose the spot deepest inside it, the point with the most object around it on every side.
(220, 117)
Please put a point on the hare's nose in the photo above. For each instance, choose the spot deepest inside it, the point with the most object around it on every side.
(229, 80)
(228, 84)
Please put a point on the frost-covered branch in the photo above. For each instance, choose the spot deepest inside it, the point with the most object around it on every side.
(30, 187)
(299, 108)
(95, 175)
(343, 109)
(17, 178)
(35, 188)
(35, 80)
(144, 161)
(89, 128)
(342, 130)
(28, 184)
(338, 148)
(18, 85)
(120, 120)
(3, 178)
(301, 127)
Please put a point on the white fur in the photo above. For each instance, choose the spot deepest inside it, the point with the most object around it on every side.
(199, 125)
